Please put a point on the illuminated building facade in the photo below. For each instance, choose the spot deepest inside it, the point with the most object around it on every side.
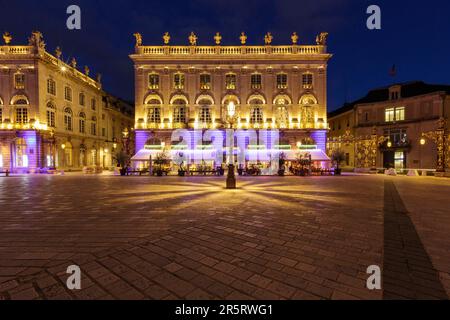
(391, 128)
(51, 114)
(273, 87)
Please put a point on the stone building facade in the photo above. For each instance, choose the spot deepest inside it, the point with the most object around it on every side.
(51, 114)
(394, 127)
(190, 87)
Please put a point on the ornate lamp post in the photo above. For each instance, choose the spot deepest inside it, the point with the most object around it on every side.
(231, 115)
(439, 137)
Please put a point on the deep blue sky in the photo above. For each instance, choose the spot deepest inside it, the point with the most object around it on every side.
(414, 36)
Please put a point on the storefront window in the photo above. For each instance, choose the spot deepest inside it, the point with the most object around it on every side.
(399, 160)
(21, 156)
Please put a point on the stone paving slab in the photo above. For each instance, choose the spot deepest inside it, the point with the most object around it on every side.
(189, 238)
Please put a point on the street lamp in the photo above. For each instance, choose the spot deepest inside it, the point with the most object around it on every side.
(231, 177)
(63, 147)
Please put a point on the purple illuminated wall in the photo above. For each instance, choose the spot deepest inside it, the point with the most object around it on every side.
(320, 136)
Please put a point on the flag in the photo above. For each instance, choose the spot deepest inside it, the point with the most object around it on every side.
(393, 71)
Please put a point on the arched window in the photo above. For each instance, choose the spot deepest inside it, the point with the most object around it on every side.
(153, 112)
(282, 115)
(51, 115)
(256, 111)
(82, 123)
(21, 109)
(68, 119)
(51, 86)
(204, 115)
(307, 103)
(94, 126)
(179, 111)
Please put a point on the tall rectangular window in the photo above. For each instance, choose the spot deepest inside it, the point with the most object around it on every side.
(179, 115)
(153, 81)
(400, 114)
(94, 128)
(68, 93)
(389, 115)
(51, 119)
(230, 81)
(256, 81)
(257, 115)
(307, 81)
(205, 81)
(51, 87)
(82, 126)
(178, 81)
(205, 115)
(22, 115)
(282, 81)
(93, 104)
(82, 99)
(19, 81)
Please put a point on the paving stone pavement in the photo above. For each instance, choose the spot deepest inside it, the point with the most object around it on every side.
(189, 238)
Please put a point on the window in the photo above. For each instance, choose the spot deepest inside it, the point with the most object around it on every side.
(179, 112)
(93, 104)
(398, 137)
(51, 115)
(154, 115)
(68, 93)
(307, 81)
(230, 81)
(68, 119)
(21, 115)
(399, 159)
(19, 81)
(256, 81)
(178, 81)
(205, 115)
(103, 132)
(205, 81)
(282, 81)
(400, 114)
(256, 115)
(395, 95)
(82, 99)
(94, 126)
(395, 114)
(153, 81)
(282, 117)
(82, 123)
(366, 117)
(51, 87)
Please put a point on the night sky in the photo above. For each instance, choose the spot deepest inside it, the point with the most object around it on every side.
(414, 36)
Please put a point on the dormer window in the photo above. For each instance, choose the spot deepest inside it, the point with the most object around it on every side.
(394, 93)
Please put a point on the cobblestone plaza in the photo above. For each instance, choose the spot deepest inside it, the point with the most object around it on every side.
(190, 238)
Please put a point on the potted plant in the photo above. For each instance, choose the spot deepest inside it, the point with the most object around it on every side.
(337, 157)
(161, 159)
(122, 159)
(282, 162)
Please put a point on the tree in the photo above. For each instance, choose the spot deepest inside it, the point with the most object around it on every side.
(337, 157)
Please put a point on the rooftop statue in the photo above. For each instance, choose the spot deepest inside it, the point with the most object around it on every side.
(294, 38)
(321, 39)
(73, 63)
(7, 38)
(166, 38)
(193, 39)
(243, 38)
(87, 70)
(36, 40)
(58, 52)
(138, 37)
(268, 38)
(218, 38)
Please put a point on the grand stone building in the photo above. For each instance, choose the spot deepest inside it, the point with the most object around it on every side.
(273, 87)
(402, 126)
(52, 115)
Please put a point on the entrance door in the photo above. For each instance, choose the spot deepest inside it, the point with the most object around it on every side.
(389, 159)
